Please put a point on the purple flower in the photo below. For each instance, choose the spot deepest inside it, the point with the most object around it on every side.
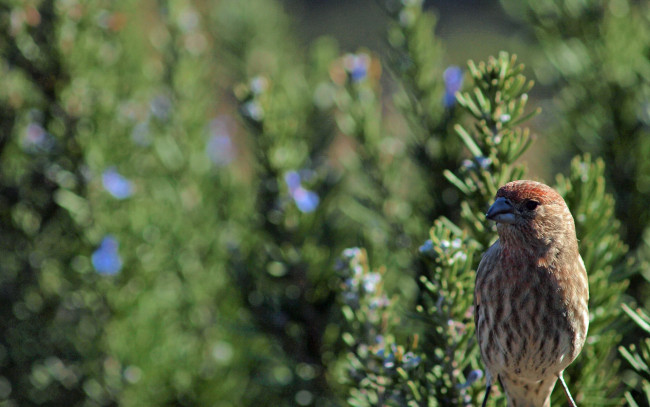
(472, 377)
(37, 139)
(453, 77)
(220, 148)
(306, 200)
(106, 259)
(292, 178)
(357, 66)
(116, 184)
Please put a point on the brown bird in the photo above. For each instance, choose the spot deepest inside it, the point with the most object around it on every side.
(531, 295)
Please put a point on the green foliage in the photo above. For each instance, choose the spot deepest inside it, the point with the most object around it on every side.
(448, 350)
(604, 255)
(497, 105)
(445, 309)
(282, 261)
(377, 366)
(416, 58)
(639, 357)
(426, 104)
(52, 306)
(413, 136)
(357, 96)
(150, 100)
(178, 178)
(597, 61)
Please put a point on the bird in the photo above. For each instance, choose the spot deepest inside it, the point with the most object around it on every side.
(531, 295)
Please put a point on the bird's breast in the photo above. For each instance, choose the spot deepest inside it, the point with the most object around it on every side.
(527, 320)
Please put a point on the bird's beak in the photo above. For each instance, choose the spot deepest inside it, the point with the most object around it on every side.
(501, 211)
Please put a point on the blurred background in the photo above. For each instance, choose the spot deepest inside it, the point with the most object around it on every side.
(470, 29)
(178, 179)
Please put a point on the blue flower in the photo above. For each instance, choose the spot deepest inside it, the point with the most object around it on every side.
(116, 184)
(357, 66)
(483, 162)
(468, 164)
(388, 358)
(106, 259)
(292, 178)
(472, 377)
(453, 77)
(427, 247)
(220, 148)
(306, 200)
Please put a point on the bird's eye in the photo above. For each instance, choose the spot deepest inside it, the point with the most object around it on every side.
(531, 205)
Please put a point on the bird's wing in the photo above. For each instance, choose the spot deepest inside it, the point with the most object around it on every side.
(583, 274)
(488, 262)
(486, 265)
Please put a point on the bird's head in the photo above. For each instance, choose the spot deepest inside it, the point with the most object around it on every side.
(531, 213)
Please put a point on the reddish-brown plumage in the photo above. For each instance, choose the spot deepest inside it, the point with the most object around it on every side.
(531, 294)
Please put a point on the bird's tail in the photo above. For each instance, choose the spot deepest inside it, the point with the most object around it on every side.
(522, 393)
